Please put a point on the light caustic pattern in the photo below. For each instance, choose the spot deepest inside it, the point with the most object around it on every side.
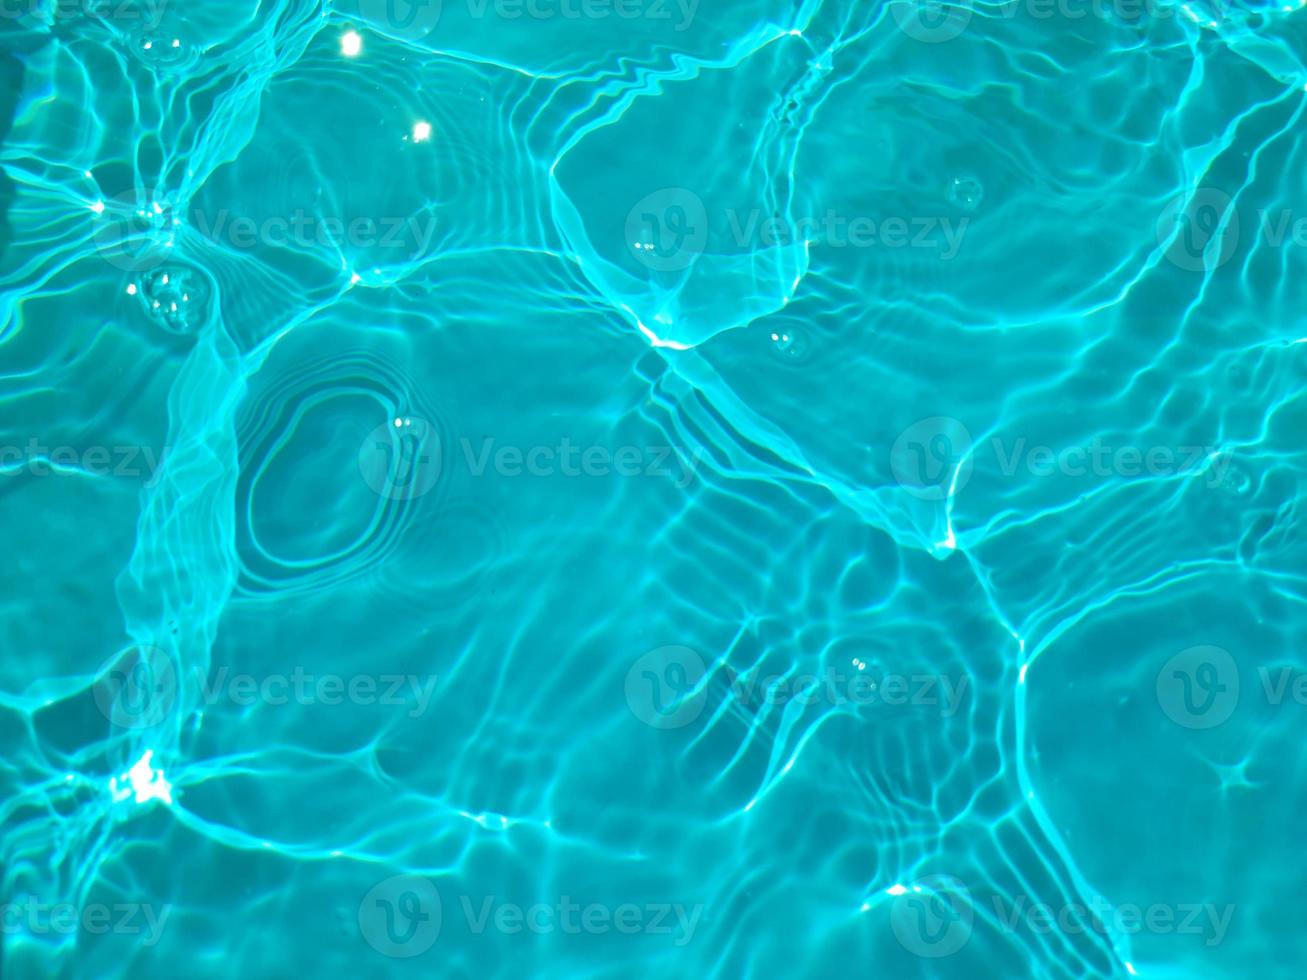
(712, 489)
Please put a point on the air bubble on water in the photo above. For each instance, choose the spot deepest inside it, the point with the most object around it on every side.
(175, 296)
(966, 191)
(790, 343)
(163, 51)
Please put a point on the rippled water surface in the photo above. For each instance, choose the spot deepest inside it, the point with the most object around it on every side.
(661, 488)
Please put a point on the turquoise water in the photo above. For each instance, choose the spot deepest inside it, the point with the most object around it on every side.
(641, 488)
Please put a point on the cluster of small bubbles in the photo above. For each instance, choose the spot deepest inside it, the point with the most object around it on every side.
(161, 50)
(966, 191)
(1236, 479)
(790, 344)
(175, 296)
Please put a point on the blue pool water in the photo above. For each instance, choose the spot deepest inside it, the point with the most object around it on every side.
(661, 488)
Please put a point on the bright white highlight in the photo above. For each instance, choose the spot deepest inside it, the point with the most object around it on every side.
(143, 781)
